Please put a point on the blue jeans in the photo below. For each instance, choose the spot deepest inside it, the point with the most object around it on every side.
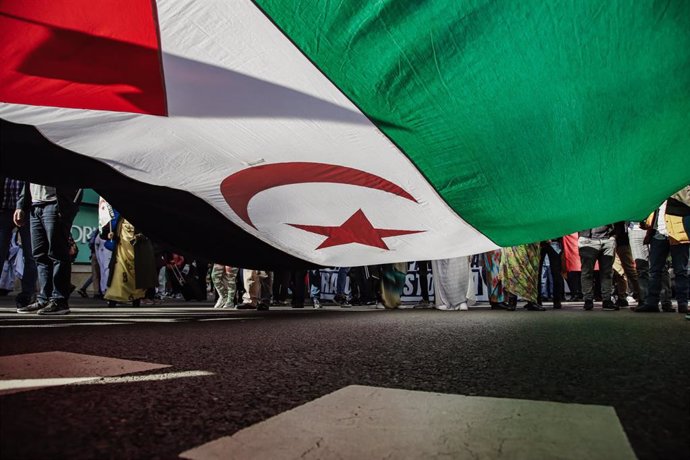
(50, 232)
(315, 284)
(658, 252)
(6, 226)
(342, 279)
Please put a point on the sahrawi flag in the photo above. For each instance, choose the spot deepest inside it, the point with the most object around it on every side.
(351, 132)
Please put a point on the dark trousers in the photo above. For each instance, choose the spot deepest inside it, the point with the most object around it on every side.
(555, 264)
(659, 250)
(592, 251)
(423, 268)
(281, 282)
(299, 285)
(360, 284)
(50, 231)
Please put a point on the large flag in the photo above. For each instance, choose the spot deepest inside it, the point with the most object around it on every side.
(271, 132)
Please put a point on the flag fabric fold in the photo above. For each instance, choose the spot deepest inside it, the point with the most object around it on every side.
(351, 133)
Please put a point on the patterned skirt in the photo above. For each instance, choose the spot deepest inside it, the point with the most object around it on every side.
(520, 271)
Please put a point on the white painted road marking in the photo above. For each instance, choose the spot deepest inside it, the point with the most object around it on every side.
(359, 422)
(61, 368)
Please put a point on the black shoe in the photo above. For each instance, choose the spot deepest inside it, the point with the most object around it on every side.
(82, 293)
(531, 306)
(246, 306)
(54, 308)
(668, 309)
(32, 307)
(647, 309)
(589, 304)
(263, 307)
(557, 305)
(22, 300)
(609, 305)
(499, 306)
(621, 302)
(112, 303)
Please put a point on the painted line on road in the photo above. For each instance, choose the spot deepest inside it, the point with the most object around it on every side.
(370, 422)
(22, 372)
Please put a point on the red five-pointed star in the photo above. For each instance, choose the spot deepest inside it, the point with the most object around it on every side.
(356, 229)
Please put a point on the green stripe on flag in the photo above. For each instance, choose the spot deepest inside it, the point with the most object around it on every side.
(531, 119)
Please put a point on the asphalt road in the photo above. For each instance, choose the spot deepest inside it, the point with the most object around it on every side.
(264, 363)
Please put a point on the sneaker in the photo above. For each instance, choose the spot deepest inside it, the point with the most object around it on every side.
(54, 308)
(262, 307)
(621, 302)
(317, 304)
(463, 307)
(609, 305)
(220, 302)
(589, 304)
(32, 307)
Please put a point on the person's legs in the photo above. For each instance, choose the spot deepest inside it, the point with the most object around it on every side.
(619, 281)
(556, 267)
(640, 254)
(606, 255)
(220, 282)
(588, 256)
(423, 273)
(266, 288)
(575, 285)
(658, 251)
(628, 262)
(666, 294)
(57, 229)
(252, 287)
(340, 296)
(315, 284)
(40, 247)
(231, 280)
(679, 258)
(298, 288)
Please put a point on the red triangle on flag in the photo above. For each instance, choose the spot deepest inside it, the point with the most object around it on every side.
(81, 54)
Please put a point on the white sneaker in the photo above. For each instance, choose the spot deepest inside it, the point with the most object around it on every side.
(220, 303)
(380, 306)
(631, 300)
(463, 307)
(442, 307)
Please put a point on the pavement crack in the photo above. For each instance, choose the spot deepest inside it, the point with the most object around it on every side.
(316, 445)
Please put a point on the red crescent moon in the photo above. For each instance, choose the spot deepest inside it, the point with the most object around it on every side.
(239, 188)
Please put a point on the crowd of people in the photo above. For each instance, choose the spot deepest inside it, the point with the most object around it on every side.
(624, 264)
